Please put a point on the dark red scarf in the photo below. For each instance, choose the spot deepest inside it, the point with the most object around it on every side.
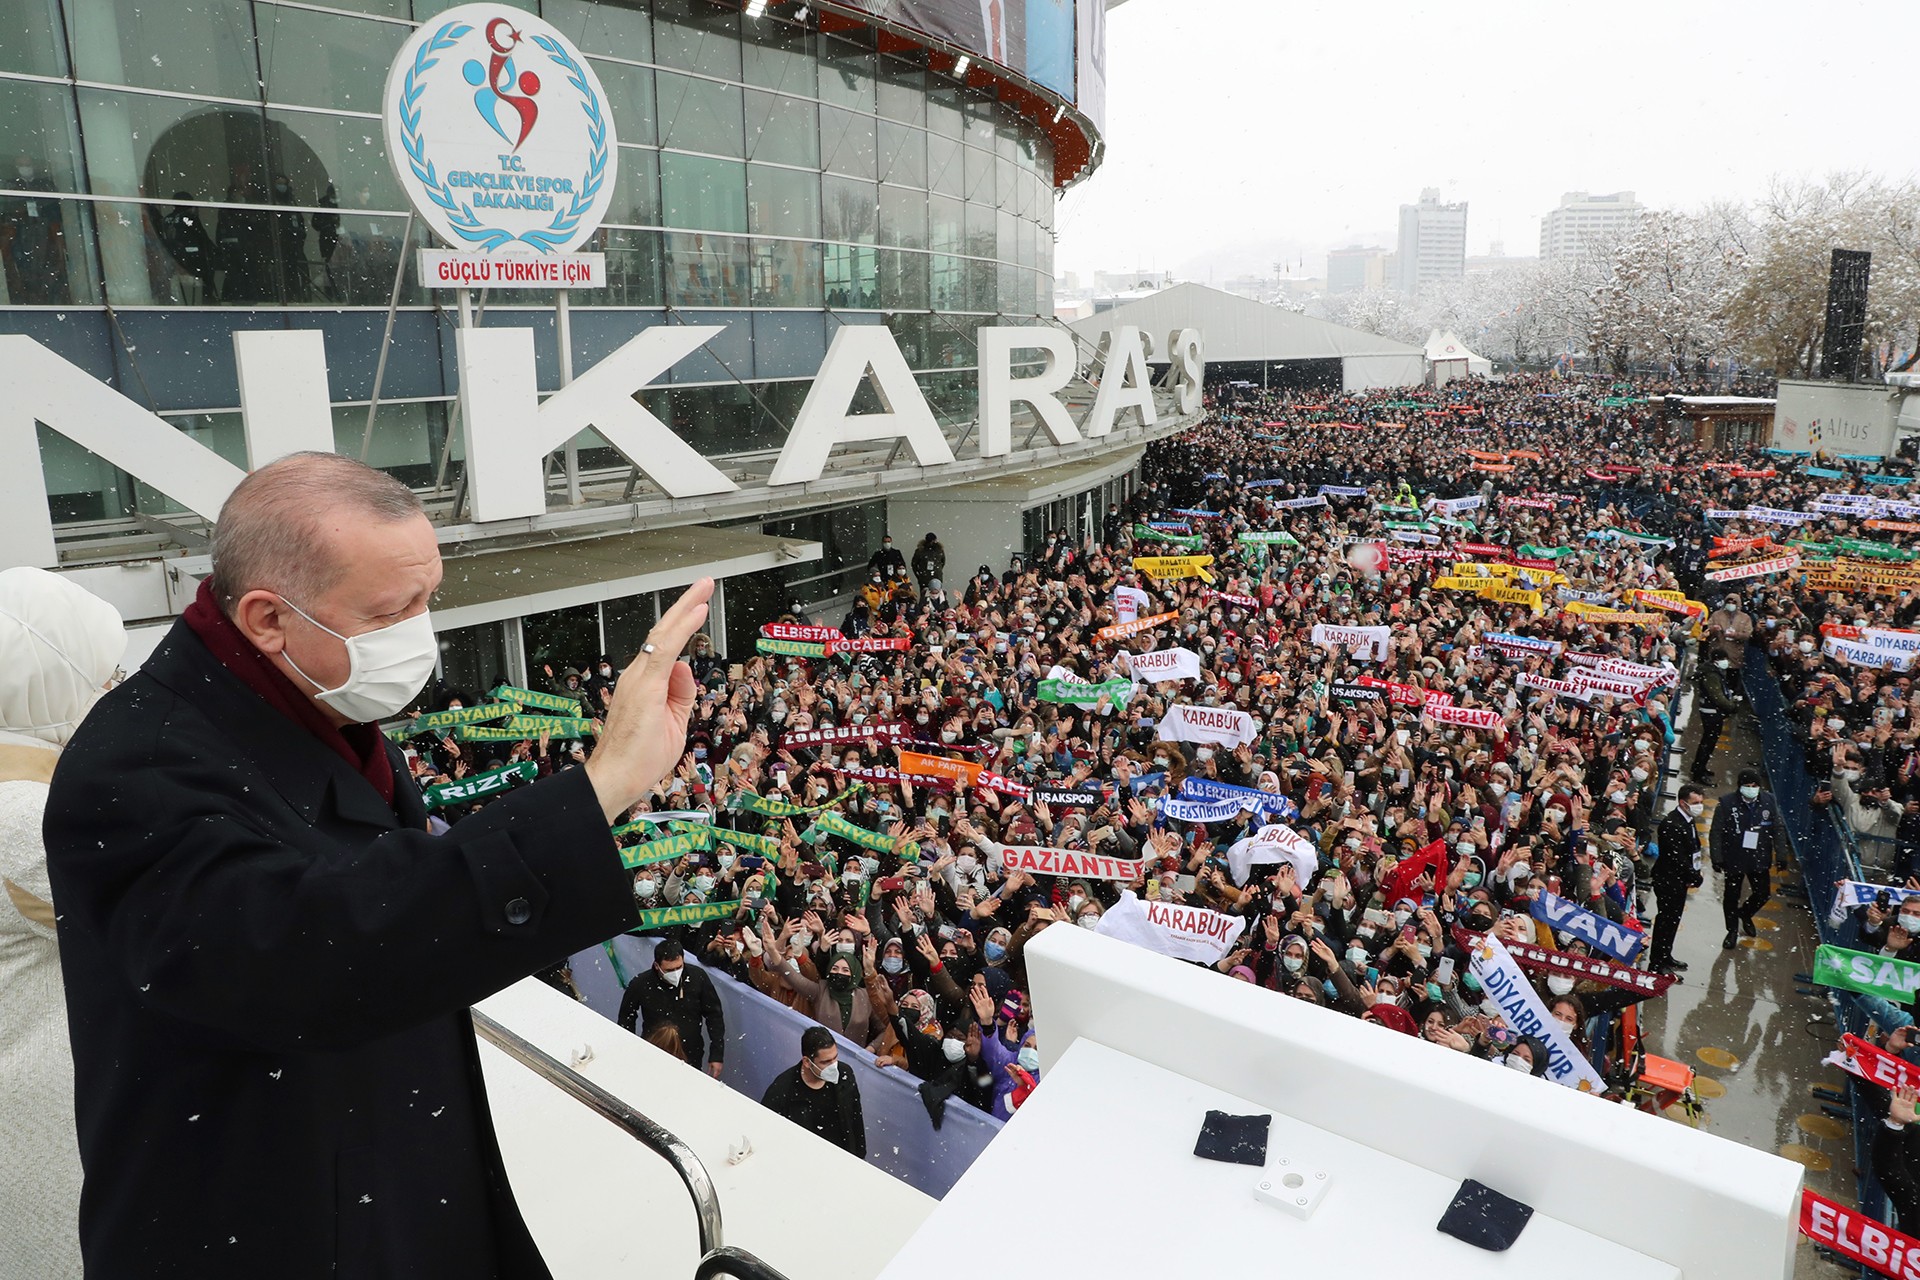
(360, 745)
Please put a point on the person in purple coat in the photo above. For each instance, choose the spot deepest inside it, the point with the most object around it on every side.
(1006, 1042)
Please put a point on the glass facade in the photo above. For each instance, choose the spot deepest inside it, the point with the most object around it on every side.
(181, 162)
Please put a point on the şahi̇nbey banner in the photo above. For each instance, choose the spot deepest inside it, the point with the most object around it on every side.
(1032, 38)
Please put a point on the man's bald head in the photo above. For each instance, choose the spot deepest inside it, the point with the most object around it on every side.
(272, 531)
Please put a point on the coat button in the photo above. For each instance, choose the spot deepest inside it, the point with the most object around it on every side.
(518, 912)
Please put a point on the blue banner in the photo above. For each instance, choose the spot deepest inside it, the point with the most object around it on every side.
(1889, 479)
(1823, 473)
(1598, 932)
(1250, 797)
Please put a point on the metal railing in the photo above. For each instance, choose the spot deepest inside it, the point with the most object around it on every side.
(718, 1260)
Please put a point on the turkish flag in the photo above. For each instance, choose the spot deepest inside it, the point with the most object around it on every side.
(1400, 881)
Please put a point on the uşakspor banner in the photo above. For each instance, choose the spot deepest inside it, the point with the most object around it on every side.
(1032, 38)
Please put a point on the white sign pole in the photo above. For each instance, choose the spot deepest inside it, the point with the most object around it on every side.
(563, 325)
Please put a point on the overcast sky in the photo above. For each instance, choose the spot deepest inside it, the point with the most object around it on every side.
(1241, 131)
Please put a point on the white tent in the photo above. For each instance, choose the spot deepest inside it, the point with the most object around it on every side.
(1448, 358)
(1236, 330)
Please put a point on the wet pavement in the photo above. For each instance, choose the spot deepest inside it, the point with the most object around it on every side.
(1742, 1022)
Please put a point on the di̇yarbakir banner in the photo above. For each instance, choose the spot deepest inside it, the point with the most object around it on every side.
(1032, 38)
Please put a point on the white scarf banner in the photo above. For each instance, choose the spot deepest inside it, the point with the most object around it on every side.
(1766, 515)
(1201, 810)
(1185, 933)
(1343, 491)
(1471, 717)
(1852, 894)
(1865, 655)
(1165, 664)
(1129, 603)
(1274, 843)
(1755, 568)
(1500, 976)
(1226, 726)
(1560, 688)
(1317, 500)
(1454, 506)
(1369, 644)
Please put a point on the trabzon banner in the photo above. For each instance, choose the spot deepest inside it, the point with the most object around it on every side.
(1032, 38)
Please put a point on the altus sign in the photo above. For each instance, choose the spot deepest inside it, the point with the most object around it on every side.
(508, 430)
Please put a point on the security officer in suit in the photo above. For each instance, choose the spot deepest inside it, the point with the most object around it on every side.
(1673, 875)
(1742, 841)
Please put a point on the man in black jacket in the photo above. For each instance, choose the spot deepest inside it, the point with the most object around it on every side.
(820, 1095)
(673, 991)
(1718, 704)
(1674, 874)
(268, 958)
(1741, 842)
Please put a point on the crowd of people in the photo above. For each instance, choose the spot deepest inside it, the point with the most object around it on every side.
(1376, 677)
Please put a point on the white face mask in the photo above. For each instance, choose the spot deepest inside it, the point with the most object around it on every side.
(953, 1050)
(1091, 920)
(829, 1074)
(1910, 923)
(1749, 793)
(1559, 985)
(672, 976)
(385, 668)
(645, 888)
(1518, 1063)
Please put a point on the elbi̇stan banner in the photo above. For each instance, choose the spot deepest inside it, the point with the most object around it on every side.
(1848, 1231)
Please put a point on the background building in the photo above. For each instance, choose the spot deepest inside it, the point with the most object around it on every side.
(188, 171)
(1356, 267)
(1572, 231)
(1433, 241)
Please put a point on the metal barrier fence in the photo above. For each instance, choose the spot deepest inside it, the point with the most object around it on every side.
(1827, 852)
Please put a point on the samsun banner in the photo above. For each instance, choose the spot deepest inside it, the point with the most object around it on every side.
(1185, 933)
(1039, 860)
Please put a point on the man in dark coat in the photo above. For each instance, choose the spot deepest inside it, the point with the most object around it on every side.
(1741, 843)
(1674, 874)
(820, 1095)
(268, 958)
(674, 991)
(1718, 704)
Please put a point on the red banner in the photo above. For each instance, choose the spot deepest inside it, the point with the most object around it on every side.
(1408, 695)
(868, 644)
(845, 733)
(1482, 549)
(1848, 1231)
(1040, 861)
(792, 631)
(1589, 968)
(1875, 1065)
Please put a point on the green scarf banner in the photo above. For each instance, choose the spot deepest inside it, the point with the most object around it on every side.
(1531, 552)
(699, 913)
(832, 824)
(1269, 537)
(538, 701)
(1080, 691)
(492, 782)
(1422, 526)
(552, 726)
(1646, 539)
(1145, 533)
(1874, 975)
(790, 648)
(666, 847)
(1395, 510)
(434, 721)
(769, 807)
(1874, 550)
(747, 842)
(648, 821)
(482, 733)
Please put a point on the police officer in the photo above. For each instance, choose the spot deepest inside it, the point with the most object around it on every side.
(1717, 704)
(1673, 874)
(1742, 843)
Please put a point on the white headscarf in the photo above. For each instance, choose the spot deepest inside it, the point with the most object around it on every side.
(59, 645)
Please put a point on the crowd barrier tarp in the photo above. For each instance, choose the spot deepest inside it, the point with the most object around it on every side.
(763, 1039)
(1821, 851)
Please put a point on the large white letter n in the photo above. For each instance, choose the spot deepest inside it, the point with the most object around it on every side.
(508, 432)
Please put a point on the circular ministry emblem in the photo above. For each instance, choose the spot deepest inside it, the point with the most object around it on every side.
(500, 133)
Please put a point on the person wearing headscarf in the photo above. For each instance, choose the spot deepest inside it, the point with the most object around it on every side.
(59, 647)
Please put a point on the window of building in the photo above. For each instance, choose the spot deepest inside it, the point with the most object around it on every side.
(780, 56)
(783, 202)
(325, 60)
(34, 44)
(847, 73)
(704, 193)
(473, 660)
(787, 273)
(630, 99)
(698, 35)
(699, 115)
(205, 48)
(636, 189)
(782, 130)
(705, 270)
(619, 28)
(847, 143)
(903, 155)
